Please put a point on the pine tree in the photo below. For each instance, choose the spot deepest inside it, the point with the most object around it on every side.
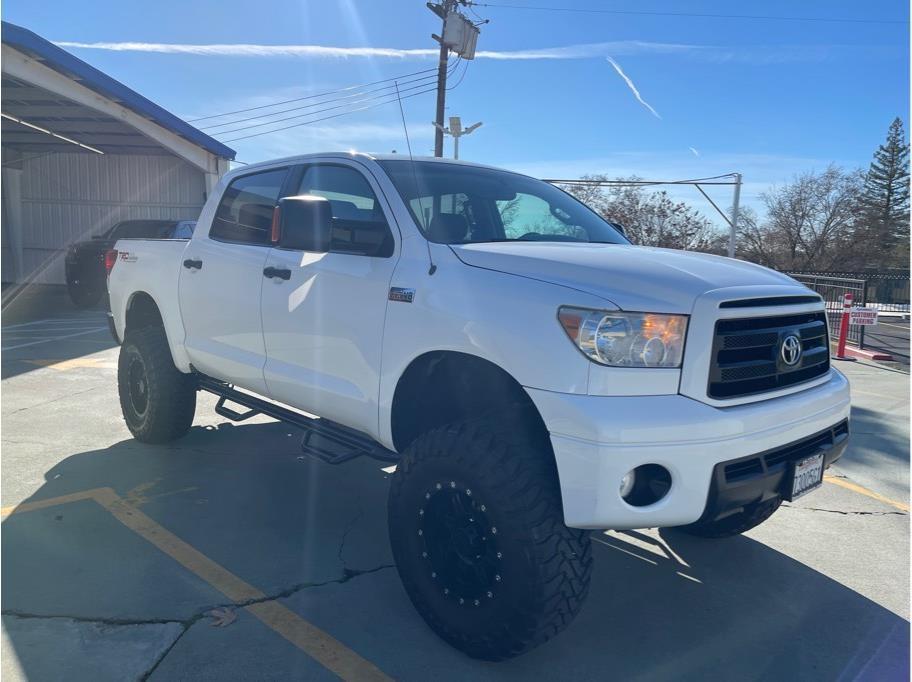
(885, 202)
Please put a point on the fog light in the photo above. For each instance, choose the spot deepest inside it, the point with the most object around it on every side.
(649, 484)
(627, 483)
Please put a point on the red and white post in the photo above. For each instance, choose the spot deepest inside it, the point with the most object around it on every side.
(844, 328)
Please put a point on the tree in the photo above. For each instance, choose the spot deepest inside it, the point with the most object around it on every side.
(651, 218)
(809, 223)
(883, 235)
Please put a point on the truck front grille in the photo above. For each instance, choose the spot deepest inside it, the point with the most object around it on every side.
(747, 355)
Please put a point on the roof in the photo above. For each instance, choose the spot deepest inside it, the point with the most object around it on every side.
(301, 158)
(63, 62)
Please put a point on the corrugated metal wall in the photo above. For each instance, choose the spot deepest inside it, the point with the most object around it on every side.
(70, 197)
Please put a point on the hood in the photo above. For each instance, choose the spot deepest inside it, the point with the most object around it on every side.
(632, 277)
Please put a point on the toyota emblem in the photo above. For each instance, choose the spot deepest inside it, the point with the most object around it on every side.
(791, 350)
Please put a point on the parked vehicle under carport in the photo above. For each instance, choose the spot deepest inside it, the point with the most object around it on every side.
(85, 266)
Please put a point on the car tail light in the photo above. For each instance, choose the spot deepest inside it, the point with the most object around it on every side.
(110, 257)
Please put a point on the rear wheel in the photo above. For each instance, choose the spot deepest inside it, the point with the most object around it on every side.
(157, 400)
(477, 532)
(83, 296)
(750, 517)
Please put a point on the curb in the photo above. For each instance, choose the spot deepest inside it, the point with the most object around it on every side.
(864, 354)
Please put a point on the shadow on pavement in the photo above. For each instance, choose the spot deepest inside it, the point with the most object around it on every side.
(662, 606)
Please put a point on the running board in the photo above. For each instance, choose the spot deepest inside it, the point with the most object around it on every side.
(323, 439)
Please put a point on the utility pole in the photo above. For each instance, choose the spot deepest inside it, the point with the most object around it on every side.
(736, 207)
(441, 10)
(457, 34)
(456, 131)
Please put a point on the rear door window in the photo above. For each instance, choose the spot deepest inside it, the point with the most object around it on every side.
(244, 215)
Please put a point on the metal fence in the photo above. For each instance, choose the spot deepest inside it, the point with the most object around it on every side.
(888, 290)
(833, 291)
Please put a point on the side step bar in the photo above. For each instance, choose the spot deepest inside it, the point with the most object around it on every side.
(323, 439)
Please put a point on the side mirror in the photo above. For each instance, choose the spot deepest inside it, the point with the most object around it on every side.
(303, 223)
(620, 228)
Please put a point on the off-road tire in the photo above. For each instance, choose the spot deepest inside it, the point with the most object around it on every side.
(158, 401)
(542, 566)
(750, 517)
(83, 297)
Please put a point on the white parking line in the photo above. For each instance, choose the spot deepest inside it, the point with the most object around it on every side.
(55, 338)
(47, 330)
(55, 321)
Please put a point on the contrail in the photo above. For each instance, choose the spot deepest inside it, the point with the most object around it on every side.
(581, 51)
(694, 151)
(633, 88)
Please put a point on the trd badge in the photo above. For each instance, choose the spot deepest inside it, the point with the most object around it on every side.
(401, 295)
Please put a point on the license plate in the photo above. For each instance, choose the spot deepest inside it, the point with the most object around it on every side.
(807, 475)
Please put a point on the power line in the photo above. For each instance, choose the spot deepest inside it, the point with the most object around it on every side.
(211, 130)
(315, 104)
(461, 76)
(322, 94)
(319, 111)
(326, 118)
(645, 183)
(764, 17)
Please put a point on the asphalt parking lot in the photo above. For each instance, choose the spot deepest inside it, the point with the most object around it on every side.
(890, 334)
(230, 555)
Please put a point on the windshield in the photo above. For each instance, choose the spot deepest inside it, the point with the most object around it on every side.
(456, 204)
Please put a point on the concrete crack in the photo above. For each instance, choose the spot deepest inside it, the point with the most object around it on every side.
(348, 528)
(852, 513)
(186, 624)
(86, 619)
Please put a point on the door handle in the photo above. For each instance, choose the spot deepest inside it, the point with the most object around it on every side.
(281, 273)
(191, 264)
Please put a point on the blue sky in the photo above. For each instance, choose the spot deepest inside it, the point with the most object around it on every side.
(766, 98)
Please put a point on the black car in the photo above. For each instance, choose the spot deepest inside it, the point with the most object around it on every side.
(85, 268)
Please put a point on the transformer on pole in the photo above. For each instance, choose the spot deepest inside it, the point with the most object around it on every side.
(460, 36)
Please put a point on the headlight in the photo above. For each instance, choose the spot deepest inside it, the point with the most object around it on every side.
(626, 339)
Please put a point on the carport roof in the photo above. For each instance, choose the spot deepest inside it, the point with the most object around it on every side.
(72, 67)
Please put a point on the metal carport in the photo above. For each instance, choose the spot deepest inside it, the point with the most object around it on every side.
(81, 151)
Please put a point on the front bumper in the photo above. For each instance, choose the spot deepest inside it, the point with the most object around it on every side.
(597, 440)
(761, 477)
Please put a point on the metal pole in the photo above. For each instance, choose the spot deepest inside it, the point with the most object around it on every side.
(456, 146)
(736, 207)
(441, 84)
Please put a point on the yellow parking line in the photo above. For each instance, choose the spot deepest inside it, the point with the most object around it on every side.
(51, 502)
(854, 487)
(319, 645)
(75, 363)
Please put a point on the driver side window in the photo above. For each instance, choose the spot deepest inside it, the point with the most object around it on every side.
(526, 214)
(359, 226)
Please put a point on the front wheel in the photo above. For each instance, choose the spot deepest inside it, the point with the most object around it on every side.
(477, 532)
(749, 517)
(158, 400)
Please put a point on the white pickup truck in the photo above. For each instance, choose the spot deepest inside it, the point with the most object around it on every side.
(530, 372)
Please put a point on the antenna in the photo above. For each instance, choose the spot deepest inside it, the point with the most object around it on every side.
(433, 268)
